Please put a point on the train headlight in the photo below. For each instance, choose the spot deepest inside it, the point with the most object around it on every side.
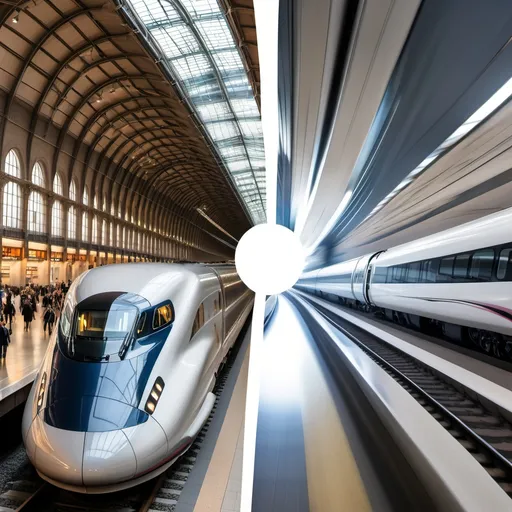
(154, 395)
(42, 389)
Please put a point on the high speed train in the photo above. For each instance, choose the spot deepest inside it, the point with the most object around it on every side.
(457, 282)
(126, 382)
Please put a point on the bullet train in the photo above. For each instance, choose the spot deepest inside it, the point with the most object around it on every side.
(126, 382)
(456, 283)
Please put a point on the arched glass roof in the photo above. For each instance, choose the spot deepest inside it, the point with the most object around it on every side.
(194, 38)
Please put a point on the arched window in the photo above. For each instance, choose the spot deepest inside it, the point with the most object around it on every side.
(118, 236)
(95, 229)
(36, 213)
(85, 226)
(12, 205)
(38, 175)
(12, 164)
(72, 223)
(72, 191)
(57, 185)
(57, 219)
(119, 211)
(111, 237)
(123, 241)
(85, 198)
(104, 205)
(104, 232)
(95, 201)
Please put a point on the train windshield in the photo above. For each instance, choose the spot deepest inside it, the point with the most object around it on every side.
(103, 333)
(103, 327)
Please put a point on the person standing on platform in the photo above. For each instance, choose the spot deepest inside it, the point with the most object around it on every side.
(5, 339)
(9, 312)
(49, 320)
(28, 313)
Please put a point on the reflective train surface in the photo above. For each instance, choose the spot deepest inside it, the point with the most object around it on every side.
(457, 283)
(126, 382)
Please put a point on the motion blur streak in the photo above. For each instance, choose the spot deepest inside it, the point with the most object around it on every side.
(252, 401)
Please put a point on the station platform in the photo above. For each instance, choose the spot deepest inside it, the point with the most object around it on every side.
(24, 355)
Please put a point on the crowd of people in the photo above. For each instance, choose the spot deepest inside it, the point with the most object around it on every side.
(50, 298)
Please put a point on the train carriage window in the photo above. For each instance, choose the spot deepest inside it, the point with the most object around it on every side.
(413, 272)
(481, 265)
(162, 316)
(446, 266)
(460, 270)
(504, 264)
(431, 274)
(379, 275)
(198, 320)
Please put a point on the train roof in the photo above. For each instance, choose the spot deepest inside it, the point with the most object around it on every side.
(488, 231)
(153, 281)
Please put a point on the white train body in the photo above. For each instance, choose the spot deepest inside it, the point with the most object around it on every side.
(461, 276)
(126, 382)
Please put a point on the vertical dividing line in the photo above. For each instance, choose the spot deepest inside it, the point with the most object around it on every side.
(252, 401)
(266, 13)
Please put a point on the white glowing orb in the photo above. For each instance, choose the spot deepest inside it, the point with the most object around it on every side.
(269, 258)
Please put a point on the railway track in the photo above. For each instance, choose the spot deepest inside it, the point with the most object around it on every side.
(32, 494)
(484, 433)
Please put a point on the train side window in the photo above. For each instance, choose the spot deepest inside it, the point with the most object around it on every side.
(460, 270)
(162, 316)
(198, 320)
(379, 275)
(481, 265)
(425, 268)
(446, 266)
(504, 263)
(413, 272)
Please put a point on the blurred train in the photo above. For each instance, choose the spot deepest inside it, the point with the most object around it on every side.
(126, 382)
(456, 283)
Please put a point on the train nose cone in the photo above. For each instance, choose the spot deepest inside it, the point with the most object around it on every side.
(58, 453)
(108, 458)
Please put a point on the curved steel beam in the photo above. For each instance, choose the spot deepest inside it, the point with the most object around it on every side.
(110, 106)
(38, 46)
(80, 105)
(83, 72)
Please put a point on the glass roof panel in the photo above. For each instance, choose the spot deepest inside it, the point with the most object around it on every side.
(196, 43)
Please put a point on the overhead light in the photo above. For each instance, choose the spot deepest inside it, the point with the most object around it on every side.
(16, 16)
(100, 97)
(112, 90)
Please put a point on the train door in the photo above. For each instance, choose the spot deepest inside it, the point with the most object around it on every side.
(368, 277)
(358, 279)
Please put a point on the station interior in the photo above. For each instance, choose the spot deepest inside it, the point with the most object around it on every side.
(144, 366)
